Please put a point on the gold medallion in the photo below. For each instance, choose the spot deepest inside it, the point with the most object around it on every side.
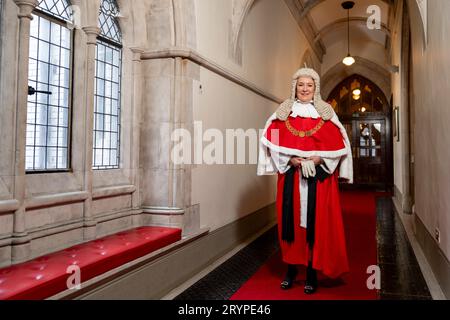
(302, 134)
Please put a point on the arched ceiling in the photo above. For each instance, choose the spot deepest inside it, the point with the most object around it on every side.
(326, 20)
(330, 19)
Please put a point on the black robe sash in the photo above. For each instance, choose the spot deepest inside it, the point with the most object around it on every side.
(288, 205)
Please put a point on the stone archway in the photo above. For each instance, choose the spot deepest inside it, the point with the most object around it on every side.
(309, 61)
(370, 70)
(367, 118)
(88, 12)
(132, 22)
(419, 20)
(240, 10)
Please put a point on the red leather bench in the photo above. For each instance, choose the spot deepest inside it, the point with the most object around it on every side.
(46, 276)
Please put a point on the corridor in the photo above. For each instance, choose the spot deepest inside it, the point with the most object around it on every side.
(401, 276)
(139, 158)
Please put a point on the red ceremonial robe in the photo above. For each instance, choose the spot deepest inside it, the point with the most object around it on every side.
(329, 251)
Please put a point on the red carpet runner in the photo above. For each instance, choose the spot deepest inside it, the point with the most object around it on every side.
(359, 211)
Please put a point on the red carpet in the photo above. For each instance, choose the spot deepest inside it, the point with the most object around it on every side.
(359, 210)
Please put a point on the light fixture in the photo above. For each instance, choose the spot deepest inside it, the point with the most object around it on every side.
(355, 97)
(357, 92)
(348, 60)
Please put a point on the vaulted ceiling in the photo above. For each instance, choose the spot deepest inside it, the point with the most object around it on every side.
(324, 22)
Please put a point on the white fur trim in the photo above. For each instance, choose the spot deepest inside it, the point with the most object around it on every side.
(266, 165)
(303, 154)
(346, 166)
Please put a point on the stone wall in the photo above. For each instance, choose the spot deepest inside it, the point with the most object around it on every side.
(169, 58)
(40, 213)
(430, 82)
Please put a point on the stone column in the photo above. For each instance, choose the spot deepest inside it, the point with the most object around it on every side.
(136, 124)
(168, 105)
(21, 240)
(89, 222)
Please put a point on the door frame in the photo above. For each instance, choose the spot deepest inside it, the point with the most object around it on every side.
(387, 186)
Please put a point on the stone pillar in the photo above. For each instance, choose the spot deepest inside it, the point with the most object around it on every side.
(136, 124)
(168, 105)
(21, 240)
(165, 185)
(89, 222)
(158, 176)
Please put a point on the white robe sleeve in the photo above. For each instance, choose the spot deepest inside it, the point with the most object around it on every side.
(265, 163)
(281, 161)
(330, 164)
(270, 162)
(346, 162)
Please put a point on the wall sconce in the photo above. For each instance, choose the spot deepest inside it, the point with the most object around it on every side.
(393, 68)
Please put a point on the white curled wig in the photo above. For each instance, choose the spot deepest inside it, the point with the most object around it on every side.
(324, 109)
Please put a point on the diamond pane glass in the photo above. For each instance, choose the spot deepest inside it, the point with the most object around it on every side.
(57, 8)
(109, 11)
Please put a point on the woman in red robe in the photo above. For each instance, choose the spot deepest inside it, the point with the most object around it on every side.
(305, 144)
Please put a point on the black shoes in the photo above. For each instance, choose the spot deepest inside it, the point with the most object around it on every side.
(290, 277)
(311, 280)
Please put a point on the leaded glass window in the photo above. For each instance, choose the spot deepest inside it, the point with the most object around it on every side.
(49, 81)
(108, 89)
(109, 11)
(57, 8)
(356, 96)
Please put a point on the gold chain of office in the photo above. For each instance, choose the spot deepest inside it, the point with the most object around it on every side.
(302, 134)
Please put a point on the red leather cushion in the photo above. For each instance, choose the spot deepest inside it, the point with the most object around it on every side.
(46, 276)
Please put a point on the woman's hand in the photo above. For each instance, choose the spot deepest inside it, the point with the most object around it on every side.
(296, 161)
(317, 160)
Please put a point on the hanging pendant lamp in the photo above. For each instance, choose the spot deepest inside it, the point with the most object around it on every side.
(348, 60)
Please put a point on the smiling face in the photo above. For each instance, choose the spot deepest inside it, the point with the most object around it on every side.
(305, 89)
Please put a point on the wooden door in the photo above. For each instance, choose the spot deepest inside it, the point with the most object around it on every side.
(367, 117)
(368, 138)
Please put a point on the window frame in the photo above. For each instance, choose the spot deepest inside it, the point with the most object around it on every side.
(119, 132)
(54, 19)
(103, 38)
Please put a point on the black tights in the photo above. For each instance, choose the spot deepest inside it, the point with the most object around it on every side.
(311, 273)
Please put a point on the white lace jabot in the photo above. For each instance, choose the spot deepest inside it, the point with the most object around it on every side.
(304, 110)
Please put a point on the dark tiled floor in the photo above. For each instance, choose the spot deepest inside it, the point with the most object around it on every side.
(401, 278)
(224, 281)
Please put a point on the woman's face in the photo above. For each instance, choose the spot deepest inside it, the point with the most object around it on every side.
(305, 89)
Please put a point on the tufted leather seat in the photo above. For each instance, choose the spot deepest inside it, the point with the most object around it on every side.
(47, 275)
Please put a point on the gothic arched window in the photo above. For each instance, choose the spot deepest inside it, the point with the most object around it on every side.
(49, 93)
(108, 89)
(357, 95)
(57, 8)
